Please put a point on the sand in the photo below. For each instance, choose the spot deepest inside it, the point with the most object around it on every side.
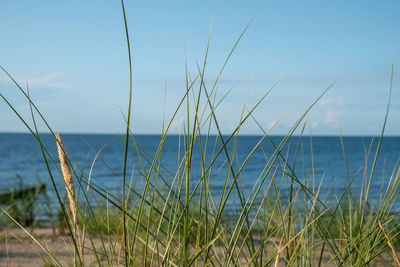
(18, 249)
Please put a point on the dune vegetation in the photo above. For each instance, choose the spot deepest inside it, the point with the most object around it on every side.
(170, 222)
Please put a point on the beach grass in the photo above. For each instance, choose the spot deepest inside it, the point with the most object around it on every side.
(176, 220)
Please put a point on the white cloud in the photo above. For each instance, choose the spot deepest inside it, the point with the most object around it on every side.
(271, 124)
(177, 125)
(332, 110)
(49, 81)
(46, 81)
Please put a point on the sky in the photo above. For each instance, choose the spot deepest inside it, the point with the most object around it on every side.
(73, 56)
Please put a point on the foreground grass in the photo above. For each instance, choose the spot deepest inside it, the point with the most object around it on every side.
(177, 220)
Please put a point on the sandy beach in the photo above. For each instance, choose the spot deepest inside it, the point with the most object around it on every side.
(18, 249)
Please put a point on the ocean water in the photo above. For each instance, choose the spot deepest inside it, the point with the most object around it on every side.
(318, 157)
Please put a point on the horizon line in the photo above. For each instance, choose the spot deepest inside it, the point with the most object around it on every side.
(213, 134)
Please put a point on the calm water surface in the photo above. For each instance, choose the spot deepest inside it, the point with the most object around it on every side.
(20, 155)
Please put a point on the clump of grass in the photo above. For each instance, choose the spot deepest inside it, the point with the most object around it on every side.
(21, 201)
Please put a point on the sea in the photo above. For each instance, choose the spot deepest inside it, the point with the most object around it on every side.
(315, 161)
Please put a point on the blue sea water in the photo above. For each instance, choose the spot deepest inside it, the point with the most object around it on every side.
(20, 155)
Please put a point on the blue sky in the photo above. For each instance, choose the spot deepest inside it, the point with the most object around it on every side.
(73, 56)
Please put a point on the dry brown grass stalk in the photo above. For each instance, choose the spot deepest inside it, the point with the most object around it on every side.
(390, 244)
(69, 182)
